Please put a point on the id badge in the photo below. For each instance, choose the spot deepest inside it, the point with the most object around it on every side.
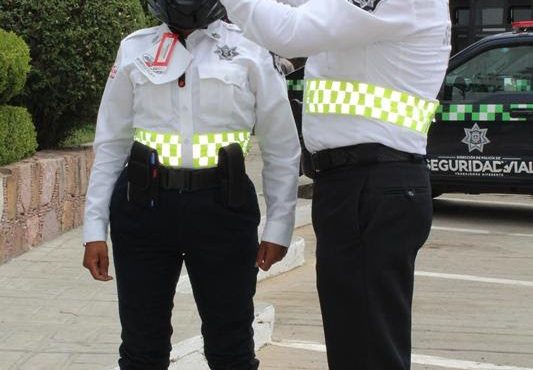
(165, 61)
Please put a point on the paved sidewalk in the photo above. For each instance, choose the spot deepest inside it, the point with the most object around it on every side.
(53, 316)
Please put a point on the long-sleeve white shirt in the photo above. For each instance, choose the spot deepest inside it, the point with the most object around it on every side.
(231, 84)
(402, 45)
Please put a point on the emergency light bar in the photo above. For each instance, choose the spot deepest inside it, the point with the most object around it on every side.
(523, 26)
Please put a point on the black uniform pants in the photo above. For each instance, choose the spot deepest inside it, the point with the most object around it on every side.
(370, 221)
(219, 248)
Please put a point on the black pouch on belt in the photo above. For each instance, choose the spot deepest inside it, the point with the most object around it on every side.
(143, 175)
(232, 175)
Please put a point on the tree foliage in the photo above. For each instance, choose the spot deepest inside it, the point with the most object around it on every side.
(73, 44)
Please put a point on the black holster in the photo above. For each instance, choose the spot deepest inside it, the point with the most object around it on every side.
(306, 163)
(143, 175)
(232, 173)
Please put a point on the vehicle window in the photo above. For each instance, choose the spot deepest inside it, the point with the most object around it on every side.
(501, 70)
(490, 12)
(521, 13)
(462, 16)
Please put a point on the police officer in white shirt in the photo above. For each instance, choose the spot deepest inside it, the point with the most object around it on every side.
(177, 94)
(374, 70)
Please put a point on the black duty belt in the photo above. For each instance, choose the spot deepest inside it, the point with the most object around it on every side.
(360, 154)
(188, 179)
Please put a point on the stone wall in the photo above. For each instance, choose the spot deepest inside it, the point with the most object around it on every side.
(41, 197)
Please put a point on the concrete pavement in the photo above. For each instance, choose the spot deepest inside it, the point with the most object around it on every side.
(54, 316)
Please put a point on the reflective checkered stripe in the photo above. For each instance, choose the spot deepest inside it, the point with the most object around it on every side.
(204, 149)
(205, 146)
(479, 112)
(362, 99)
(168, 146)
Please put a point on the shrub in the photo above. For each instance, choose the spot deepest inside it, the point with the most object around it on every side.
(14, 65)
(17, 134)
(73, 44)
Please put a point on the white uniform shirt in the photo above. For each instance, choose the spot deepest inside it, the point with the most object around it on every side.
(403, 45)
(231, 85)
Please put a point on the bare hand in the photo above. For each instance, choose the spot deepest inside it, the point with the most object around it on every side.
(269, 254)
(96, 260)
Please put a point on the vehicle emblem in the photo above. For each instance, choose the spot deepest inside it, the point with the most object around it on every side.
(476, 138)
(226, 53)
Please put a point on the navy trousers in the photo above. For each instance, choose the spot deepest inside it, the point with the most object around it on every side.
(218, 246)
(370, 221)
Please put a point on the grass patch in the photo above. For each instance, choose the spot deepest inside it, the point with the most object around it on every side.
(79, 136)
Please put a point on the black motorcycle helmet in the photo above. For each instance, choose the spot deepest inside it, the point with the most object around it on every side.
(187, 14)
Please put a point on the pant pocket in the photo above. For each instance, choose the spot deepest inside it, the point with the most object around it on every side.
(397, 215)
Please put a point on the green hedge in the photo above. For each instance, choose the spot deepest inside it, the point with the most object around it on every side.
(17, 134)
(14, 65)
(73, 44)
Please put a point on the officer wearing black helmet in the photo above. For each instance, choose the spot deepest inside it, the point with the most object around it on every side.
(179, 107)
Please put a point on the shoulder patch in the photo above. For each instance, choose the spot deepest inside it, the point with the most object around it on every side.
(368, 5)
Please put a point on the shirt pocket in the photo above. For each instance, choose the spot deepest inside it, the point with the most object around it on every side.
(222, 89)
(151, 102)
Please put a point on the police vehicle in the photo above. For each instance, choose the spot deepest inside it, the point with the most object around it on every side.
(482, 140)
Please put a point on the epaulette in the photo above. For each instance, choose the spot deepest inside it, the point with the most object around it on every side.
(142, 32)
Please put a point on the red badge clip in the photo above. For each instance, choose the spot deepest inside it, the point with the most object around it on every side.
(165, 49)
